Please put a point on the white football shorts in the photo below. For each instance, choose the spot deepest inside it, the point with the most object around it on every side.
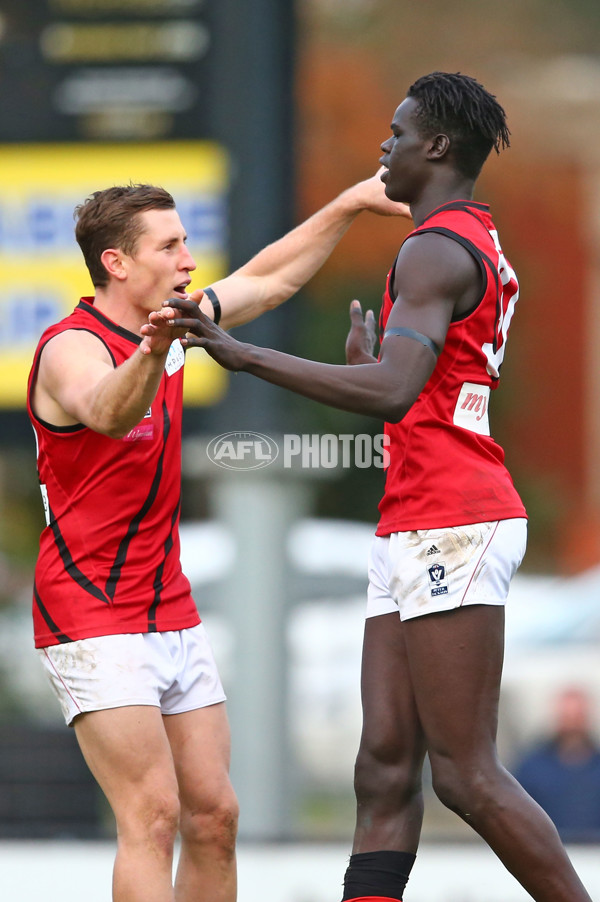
(429, 570)
(175, 671)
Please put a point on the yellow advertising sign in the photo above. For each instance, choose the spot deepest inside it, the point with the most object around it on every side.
(42, 273)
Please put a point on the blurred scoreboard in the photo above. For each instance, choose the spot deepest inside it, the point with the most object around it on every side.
(105, 69)
(95, 93)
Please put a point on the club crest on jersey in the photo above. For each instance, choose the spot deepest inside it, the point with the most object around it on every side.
(437, 579)
(175, 358)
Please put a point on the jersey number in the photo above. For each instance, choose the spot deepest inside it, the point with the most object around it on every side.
(508, 297)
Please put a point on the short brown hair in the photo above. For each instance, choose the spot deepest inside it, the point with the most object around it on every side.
(110, 218)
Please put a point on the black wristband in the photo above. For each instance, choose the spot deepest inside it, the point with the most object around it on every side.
(211, 295)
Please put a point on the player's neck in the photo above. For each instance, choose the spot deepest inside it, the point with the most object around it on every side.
(439, 193)
(120, 310)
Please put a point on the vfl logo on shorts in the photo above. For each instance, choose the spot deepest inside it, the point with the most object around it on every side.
(437, 579)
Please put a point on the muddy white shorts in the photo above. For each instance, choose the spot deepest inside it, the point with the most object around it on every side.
(175, 671)
(429, 570)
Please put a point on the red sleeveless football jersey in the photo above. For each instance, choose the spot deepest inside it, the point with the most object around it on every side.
(109, 555)
(444, 468)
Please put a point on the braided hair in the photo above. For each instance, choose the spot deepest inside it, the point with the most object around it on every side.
(458, 106)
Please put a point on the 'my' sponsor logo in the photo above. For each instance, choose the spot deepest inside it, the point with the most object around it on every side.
(476, 403)
(471, 411)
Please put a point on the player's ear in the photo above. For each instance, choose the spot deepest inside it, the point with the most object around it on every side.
(439, 147)
(112, 260)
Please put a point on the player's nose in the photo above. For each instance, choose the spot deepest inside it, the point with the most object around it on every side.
(187, 261)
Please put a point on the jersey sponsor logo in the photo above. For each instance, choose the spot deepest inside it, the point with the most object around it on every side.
(143, 432)
(471, 411)
(437, 579)
(433, 550)
(175, 358)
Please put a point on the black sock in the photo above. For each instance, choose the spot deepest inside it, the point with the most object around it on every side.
(377, 874)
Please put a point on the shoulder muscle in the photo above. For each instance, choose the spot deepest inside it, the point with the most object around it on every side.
(71, 363)
(434, 268)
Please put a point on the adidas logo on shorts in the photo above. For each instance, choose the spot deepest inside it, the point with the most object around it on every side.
(433, 550)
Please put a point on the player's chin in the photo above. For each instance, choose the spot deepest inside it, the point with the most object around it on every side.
(392, 193)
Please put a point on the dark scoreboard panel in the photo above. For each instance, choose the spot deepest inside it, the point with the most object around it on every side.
(106, 69)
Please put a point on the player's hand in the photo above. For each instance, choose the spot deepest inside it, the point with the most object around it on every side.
(371, 195)
(362, 336)
(159, 333)
(196, 295)
(201, 332)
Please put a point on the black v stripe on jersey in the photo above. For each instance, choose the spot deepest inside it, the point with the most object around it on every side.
(70, 566)
(158, 583)
(115, 573)
(62, 637)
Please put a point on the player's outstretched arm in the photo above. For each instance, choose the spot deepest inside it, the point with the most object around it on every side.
(433, 274)
(282, 268)
(384, 389)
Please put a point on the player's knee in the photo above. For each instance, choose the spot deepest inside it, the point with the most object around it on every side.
(380, 779)
(213, 825)
(154, 822)
(164, 828)
(464, 790)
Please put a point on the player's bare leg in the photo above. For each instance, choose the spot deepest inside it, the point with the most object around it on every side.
(201, 750)
(388, 767)
(128, 752)
(455, 661)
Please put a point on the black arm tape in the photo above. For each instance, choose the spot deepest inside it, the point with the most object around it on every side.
(418, 336)
(212, 296)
